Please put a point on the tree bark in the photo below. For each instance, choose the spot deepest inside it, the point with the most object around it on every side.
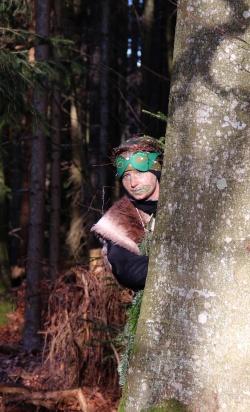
(134, 78)
(15, 203)
(31, 338)
(4, 258)
(55, 187)
(104, 93)
(25, 204)
(193, 340)
(118, 63)
(158, 24)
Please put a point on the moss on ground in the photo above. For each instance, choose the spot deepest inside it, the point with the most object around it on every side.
(6, 306)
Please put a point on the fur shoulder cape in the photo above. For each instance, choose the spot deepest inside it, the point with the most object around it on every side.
(121, 224)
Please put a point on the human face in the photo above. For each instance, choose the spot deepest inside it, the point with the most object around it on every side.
(141, 185)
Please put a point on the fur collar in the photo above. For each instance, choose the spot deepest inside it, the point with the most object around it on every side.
(121, 224)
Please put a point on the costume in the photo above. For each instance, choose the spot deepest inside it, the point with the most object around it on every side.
(123, 229)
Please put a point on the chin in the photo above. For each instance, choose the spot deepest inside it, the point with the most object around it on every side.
(140, 196)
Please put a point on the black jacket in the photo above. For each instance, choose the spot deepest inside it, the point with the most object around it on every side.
(129, 269)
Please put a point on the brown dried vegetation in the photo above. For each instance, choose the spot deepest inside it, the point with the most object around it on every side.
(85, 313)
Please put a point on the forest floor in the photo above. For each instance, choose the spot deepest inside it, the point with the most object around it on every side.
(23, 377)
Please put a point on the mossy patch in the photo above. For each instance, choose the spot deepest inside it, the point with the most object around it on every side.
(6, 306)
(171, 405)
(122, 404)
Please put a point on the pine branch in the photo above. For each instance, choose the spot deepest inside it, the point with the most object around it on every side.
(158, 115)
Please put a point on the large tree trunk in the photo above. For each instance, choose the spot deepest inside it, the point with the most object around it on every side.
(193, 339)
(31, 339)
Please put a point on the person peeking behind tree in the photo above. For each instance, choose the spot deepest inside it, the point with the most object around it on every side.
(127, 227)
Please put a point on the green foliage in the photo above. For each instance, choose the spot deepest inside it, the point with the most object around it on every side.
(16, 72)
(19, 75)
(13, 11)
(15, 78)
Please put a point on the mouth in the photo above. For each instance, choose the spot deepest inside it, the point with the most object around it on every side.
(142, 190)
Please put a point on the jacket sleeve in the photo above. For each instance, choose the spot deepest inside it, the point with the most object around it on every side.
(129, 269)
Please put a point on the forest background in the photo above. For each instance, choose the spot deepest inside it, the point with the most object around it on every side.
(76, 78)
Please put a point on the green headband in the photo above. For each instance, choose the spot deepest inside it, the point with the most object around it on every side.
(142, 161)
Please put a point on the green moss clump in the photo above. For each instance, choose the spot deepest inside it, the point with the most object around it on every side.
(171, 405)
(5, 308)
(122, 404)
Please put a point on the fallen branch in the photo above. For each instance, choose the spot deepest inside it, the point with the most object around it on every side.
(44, 398)
(9, 350)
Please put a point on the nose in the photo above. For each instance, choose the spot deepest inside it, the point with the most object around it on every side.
(133, 180)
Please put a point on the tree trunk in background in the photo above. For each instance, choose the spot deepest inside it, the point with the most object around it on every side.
(26, 147)
(134, 78)
(25, 204)
(4, 258)
(76, 236)
(117, 82)
(193, 339)
(93, 190)
(15, 204)
(31, 339)
(80, 192)
(158, 24)
(118, 72)
(55, 186)
(104, 96)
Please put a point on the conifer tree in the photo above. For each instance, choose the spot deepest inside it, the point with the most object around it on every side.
(31, 338)
(55, 183)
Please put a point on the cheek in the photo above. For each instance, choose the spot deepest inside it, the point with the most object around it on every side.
(125, 184)
(149, 183)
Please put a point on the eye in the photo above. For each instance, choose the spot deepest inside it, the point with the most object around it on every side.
(126, 175)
